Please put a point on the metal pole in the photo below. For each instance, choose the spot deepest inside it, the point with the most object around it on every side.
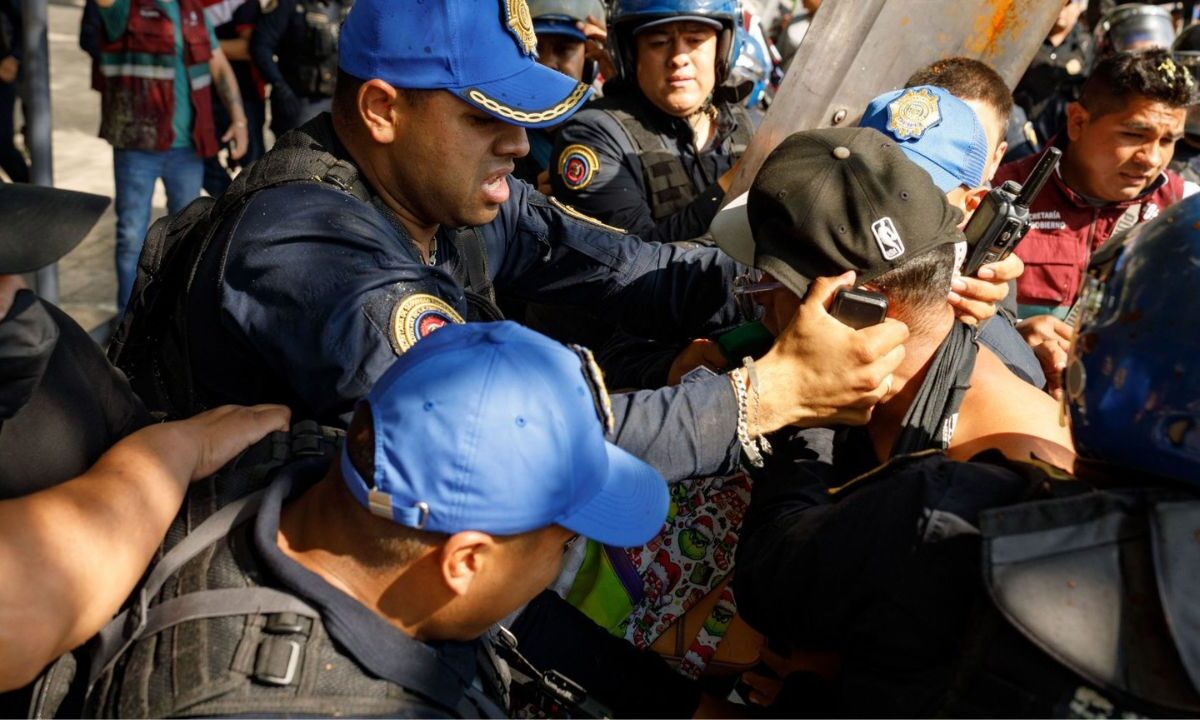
(36, 107)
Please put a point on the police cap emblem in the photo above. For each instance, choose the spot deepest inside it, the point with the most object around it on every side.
(520, 23)
(417, 316)
(914, 112)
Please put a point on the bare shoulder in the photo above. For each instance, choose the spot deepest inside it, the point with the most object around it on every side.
(1004, 412)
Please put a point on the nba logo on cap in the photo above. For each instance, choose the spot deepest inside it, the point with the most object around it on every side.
(888, 238)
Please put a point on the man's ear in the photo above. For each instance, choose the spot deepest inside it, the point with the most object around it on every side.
(997, 160)
(974, 198)
(377, 110)
(464, 556)
(1077, 120)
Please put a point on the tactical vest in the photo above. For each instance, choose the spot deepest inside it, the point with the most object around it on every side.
(138, 70)
(204, 637)
(151, 344)
(317, 67)
(669, 187)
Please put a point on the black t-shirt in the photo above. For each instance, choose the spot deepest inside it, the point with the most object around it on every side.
(61, 403)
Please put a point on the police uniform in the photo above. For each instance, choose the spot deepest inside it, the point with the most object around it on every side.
(307, 291)
(304, 36)
(629, 164)
(1054, 78)
(257, 632)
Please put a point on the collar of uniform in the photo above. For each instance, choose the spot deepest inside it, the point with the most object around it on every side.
(1061, 142)
(442, 671)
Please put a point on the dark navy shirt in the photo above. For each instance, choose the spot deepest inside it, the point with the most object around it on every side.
(616, 192)
(293, 302)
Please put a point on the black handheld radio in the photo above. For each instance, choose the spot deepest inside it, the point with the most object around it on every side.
(1002, 219)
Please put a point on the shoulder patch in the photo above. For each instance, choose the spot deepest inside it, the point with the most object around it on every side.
(578, 165)
(417, 316)
(582, 217)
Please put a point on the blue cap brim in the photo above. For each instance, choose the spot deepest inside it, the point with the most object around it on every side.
(535, 97)
(555, 27)
(629, 510)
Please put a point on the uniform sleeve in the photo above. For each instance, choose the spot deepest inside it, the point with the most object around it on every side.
(551, 254)
(595, 169)
(268, 32)
(328, 312)
(685, 431)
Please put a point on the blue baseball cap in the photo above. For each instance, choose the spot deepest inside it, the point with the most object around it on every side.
(935, 130)
(493, 427)
(485, 52)
(555, 25)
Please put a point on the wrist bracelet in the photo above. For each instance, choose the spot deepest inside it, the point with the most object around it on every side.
(756, 433)
(738, 378)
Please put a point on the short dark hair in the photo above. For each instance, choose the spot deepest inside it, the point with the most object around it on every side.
(344, 106)
(919, 285)
(382, 545)
(1151, 74)
(968, 79)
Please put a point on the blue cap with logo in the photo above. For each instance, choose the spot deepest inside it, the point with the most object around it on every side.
(493, 427)
(935, 130)
(485, 52)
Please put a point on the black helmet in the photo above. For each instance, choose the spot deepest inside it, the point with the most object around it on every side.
(628, 15)
(1134, 27)
(1186, 52)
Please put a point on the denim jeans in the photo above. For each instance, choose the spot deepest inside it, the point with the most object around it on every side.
(136, 171)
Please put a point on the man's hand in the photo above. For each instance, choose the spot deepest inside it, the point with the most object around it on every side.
(9, 285)
(9, 67)
(597, 45)
(975, 298)
(1051, 340)
(698, 352)
(822, 372)
(238, 137)
(217, 436)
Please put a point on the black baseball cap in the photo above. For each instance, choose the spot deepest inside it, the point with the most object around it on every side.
(837, 199)
(38, 225)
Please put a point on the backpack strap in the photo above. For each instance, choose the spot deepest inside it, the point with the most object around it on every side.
(667, 182)
(471, 250)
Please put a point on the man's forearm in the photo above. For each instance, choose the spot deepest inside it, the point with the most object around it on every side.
(227, 87)
(70, 555)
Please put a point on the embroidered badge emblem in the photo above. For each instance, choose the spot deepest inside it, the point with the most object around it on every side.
(578, 164)
(914, 112)
(520, 23)
(595, 382)
(417, 316)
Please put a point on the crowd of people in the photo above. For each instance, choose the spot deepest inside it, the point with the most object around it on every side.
(475, 393)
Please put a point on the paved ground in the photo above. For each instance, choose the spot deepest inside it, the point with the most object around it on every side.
(82, 161)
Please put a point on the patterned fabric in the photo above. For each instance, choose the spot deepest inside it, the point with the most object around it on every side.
(639, 593)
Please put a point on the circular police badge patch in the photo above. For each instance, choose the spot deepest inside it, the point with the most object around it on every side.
(578, 164)
(518, 20)
(914, 112)
(417, 316)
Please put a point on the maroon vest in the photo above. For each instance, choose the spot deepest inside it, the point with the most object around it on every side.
(138, 80)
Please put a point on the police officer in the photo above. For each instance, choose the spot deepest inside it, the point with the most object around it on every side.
(295, 47)
(564, 44)
(655, 155)
(305, 291)
(1080, 608)
(1054, 76)
(362, 586)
